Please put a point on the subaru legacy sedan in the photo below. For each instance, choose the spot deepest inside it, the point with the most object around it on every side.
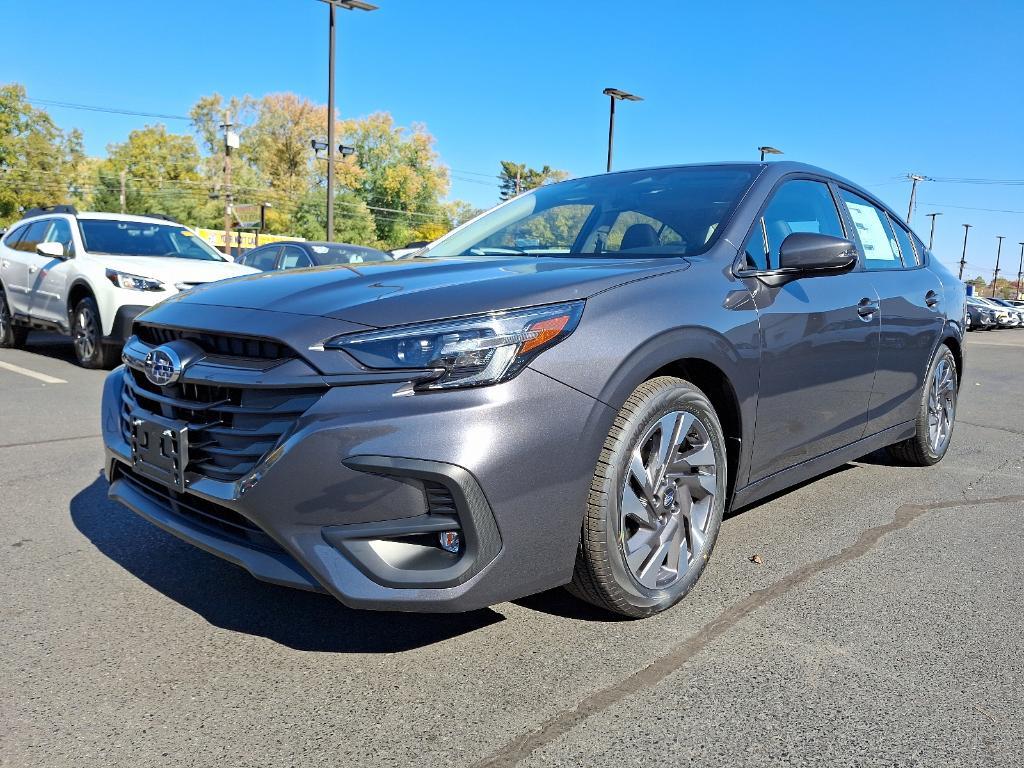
(569, 390)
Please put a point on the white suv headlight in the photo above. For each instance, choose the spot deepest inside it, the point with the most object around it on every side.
(133, 282)
(469, 352)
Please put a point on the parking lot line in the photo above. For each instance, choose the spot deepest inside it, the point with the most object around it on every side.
(31, 374)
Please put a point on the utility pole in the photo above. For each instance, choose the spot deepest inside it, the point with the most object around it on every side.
(931, 237)
(124, 196)
(963, 257)
(226, 126)
(1020, 268)
(913, 193)
(995, 275)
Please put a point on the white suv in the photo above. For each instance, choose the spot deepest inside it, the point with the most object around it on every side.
(89, 274)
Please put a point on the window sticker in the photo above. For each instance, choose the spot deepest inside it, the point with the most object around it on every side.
(872, 232)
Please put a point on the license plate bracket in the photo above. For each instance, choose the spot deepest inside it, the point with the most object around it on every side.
(160, 449)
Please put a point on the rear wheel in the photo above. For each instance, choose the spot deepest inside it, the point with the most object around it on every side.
(936, 415)
(656, 501)
(87, 335)
(10, 334)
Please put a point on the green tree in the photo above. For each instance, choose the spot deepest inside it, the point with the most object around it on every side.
(161, 172)
(517, 178)
(38, 160)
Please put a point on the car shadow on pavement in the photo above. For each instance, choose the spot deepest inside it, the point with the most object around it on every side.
(51, 345)
(226, 595)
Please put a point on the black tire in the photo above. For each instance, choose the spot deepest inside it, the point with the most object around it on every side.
(602, 576)
(918, 451)
(11, 336)
(87, 337)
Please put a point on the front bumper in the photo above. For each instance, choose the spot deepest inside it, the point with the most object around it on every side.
(337, 498)
(121, 327)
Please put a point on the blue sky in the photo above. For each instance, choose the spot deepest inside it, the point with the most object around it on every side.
(871, 90)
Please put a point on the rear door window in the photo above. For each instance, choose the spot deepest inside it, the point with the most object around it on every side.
(293, 258)
(877, 240)
(910, 255)
(35, 235)
(11, 241)
(264, 259)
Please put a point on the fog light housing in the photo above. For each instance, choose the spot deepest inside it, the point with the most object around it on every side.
(450, 541)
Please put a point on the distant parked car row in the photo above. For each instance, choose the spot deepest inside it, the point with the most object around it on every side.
(985, 314)
(299, 254)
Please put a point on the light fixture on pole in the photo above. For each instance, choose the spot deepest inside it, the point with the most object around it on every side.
(348, 5)
(769, 151)
(931, 237)
(614, 94)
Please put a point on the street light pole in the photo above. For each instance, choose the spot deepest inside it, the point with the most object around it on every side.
(769, 151)
(995, 275)
(615, 94)
(931, 237)
(348, 5)
(1020, 268)
(913, 193)
(963, 257)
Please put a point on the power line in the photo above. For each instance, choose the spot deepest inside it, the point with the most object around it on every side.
(107, 110)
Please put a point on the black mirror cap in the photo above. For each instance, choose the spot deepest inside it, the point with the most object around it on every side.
(813, 252)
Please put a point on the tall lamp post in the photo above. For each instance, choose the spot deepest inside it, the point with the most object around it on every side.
(963, 256)
(348, 5)
(1020, 268)
(995, 275)
(931, 237)
(614, 94)
(769, 151)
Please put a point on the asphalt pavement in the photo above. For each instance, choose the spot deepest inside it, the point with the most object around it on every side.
(882, 626)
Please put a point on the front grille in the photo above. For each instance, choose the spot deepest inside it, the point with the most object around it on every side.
(216, 343)
(201, 512)
(230, 429)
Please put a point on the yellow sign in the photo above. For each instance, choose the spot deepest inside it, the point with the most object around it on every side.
(245, 240)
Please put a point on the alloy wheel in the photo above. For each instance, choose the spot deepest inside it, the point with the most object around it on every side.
(941, 405)
(667, 498)
(86, 333)
(5, 317)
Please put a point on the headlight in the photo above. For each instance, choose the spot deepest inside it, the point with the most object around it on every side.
(469, 352)
(133, 282)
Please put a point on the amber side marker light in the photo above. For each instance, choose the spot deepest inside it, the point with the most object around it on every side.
(546, 330)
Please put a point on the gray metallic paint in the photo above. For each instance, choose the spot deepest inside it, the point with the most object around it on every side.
(814, 385)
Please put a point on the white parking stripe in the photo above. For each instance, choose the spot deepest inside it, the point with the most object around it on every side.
(31, 374)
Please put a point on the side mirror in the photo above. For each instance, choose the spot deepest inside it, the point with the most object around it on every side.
(812, 252)
(51, 250)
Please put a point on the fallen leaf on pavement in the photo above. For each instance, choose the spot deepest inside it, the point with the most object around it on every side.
(756, 560)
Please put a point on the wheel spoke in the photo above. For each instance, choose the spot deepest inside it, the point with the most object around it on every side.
(677, 544)
(671, 430)
(638, 472)
(650, 570)
(633, 508)
(638, 548)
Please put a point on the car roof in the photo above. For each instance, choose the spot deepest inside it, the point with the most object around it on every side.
(103, 216)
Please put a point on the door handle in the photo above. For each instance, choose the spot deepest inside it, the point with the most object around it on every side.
(866, 308)
(931, 298)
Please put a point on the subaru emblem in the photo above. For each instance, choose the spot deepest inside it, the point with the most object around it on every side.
(163, 366)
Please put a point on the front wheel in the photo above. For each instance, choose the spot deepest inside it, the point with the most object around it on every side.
(87, 335)
(656, 501)
(936, 414)
(10, 334)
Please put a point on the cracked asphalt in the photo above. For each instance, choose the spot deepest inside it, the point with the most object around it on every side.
(882, 627)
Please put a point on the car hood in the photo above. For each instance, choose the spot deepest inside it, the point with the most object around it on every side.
(398, 292)
(171, 270)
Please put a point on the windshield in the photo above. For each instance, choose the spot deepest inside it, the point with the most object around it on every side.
(664, 212)
(144, 238)
(347, 254)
